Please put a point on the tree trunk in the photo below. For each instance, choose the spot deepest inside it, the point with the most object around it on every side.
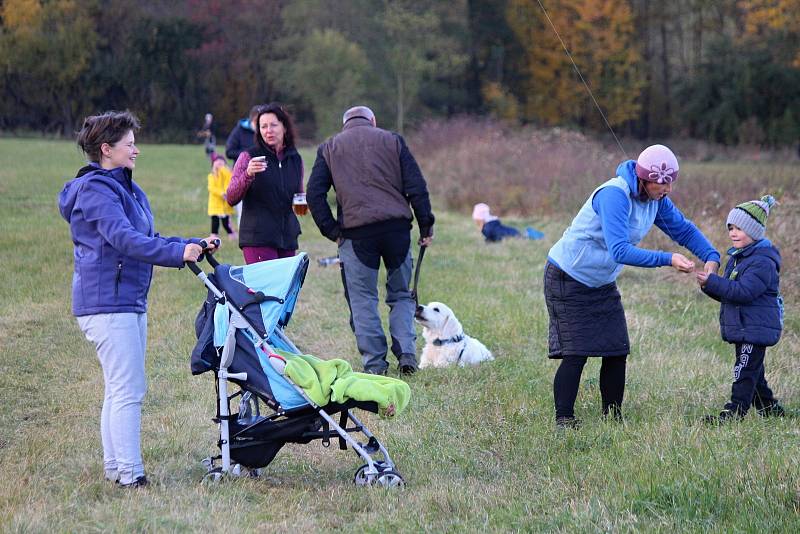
(667, 79)
(698, 39)
(400, 103)
(643, 22)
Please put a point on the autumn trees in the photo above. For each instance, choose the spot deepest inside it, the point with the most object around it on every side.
(724, 70)
(579, 51)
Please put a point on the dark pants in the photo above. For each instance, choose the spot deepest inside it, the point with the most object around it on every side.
(568, 380)
(224, 219)
(361, 260)
(749, 384)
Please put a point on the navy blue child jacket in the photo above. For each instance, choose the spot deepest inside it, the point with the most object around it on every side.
(750, 310)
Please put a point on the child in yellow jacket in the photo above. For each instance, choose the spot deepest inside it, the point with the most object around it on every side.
(218, 209)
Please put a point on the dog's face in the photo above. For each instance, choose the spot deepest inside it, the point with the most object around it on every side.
(438, 318)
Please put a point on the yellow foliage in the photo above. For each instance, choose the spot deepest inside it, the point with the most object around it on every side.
(52, 41)
(501, 102)
(21, 16)
(765, 15)
(599, 36)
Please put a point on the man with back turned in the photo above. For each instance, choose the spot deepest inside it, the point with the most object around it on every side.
(377, 184)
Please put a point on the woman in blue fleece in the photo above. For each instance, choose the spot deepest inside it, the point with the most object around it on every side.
(751, 310)
(115, 248)
(585, 308)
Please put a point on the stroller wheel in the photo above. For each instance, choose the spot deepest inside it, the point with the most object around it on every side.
(391, 479)
(362, 478)
(213, 476)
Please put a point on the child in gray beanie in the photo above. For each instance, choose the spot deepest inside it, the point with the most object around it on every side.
(751, 310)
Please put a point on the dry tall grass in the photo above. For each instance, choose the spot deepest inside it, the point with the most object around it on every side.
(538, 173)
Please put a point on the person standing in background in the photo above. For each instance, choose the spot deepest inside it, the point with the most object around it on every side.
(266, 178)
(206, 133)
(242, 137)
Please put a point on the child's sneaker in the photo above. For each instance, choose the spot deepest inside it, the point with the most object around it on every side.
(773, 409)
(725, 416)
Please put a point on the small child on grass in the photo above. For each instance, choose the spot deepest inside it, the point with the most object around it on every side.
(218, 208)
(751, 310)
(493, 230)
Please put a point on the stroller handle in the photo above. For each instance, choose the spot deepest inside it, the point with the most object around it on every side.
(192, 265)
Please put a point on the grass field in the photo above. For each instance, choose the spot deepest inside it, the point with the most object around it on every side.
(477, 446)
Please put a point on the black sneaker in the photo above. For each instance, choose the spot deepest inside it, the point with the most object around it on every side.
(140, 482)
(773, 409)
(407, 364)
(725, 416)
(381, 372)
(408, 369)
(564, 423)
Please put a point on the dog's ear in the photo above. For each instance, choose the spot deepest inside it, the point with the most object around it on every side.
(451, 326)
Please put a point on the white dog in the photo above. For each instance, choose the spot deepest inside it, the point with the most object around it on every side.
(445, 341)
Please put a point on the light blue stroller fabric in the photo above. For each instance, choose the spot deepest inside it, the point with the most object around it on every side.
(276, 278)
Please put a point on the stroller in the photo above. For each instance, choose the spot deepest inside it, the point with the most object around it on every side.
(243, 317)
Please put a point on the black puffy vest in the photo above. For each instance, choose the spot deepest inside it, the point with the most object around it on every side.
(267, 216)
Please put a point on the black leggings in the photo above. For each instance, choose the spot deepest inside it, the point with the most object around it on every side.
(215, 220)
(568, 380)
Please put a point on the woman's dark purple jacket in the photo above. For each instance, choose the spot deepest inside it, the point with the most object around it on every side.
(750, 311)
(115, 243)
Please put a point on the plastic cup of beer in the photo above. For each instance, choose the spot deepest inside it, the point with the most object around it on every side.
(299, 204)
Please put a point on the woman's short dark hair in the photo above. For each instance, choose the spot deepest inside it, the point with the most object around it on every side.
(286, 120)
(107, 127)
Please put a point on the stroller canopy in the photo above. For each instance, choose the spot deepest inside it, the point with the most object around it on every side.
(266, 294)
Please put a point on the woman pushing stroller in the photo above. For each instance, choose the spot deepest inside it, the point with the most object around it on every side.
(115, 248)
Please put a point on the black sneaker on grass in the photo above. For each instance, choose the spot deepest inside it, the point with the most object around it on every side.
(773, 409)
(725, 416)
(407, 364)
(408, 369)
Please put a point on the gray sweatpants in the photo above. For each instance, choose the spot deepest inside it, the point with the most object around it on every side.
(361, 286)
(120, 340)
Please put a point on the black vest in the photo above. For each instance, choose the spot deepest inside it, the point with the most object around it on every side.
(267, 216)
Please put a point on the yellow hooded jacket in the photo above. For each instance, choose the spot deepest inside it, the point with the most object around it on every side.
(217, 185)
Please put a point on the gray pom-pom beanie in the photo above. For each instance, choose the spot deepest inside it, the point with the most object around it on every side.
(751, 216)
